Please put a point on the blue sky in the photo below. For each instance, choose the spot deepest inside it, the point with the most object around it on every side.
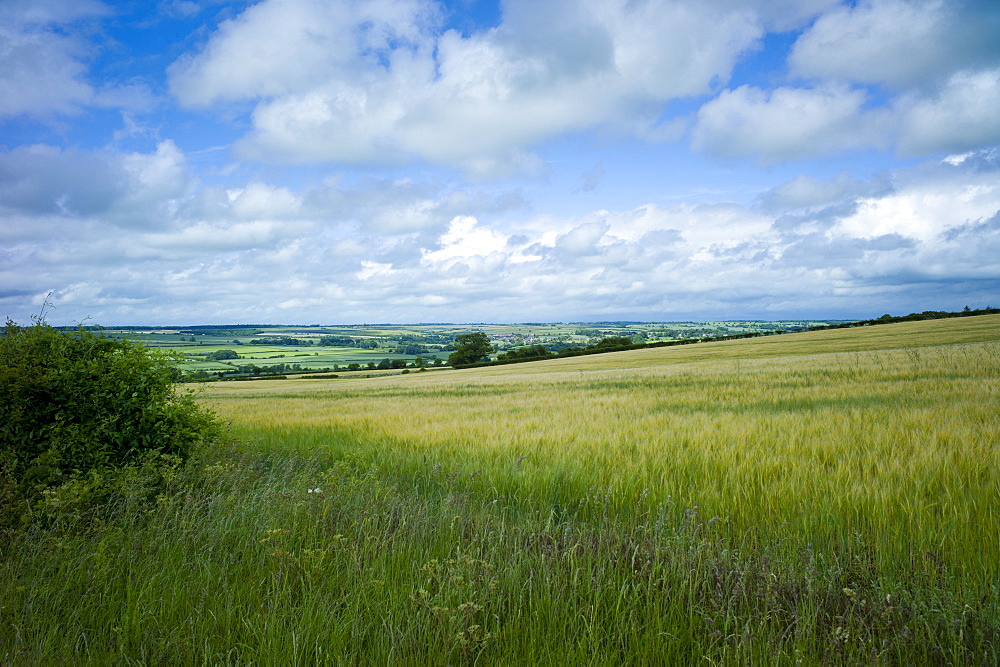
(311, 161)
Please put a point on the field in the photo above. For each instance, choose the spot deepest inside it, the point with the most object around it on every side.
(335, 348)
(882, 434)
(827, 496)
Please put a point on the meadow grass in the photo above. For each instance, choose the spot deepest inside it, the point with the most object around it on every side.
(826, 497)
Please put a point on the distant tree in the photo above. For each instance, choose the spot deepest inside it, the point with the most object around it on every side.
(354, 367)
(384, 364)
(398, 363)
(470, 348)
(611, 342)
(220, 355)
(533, 352)
(336, 341)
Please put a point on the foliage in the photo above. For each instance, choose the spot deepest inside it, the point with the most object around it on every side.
(531, 353)
(222, 355)
(75, 401)
(470, 348)
(611, 343)
(336, 341)
(282, 340)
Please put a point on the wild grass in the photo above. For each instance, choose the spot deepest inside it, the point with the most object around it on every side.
(823, 497)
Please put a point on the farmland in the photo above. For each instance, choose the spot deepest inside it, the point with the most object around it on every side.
(288, 349)
(826, 497)
(880, 433)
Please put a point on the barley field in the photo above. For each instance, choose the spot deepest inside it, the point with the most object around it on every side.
(889, 434)
(825, 498)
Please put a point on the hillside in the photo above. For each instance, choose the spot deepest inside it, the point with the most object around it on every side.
(823, 497)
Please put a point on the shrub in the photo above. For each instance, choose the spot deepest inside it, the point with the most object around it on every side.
(76, 401)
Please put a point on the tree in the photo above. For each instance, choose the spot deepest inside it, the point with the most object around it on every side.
(74, 401)
(520, 354)
(470, 348)
(611, 342)
(221, 355)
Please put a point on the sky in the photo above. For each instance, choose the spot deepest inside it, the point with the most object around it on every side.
(404, 161)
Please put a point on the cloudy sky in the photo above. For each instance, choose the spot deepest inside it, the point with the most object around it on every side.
(349, 161)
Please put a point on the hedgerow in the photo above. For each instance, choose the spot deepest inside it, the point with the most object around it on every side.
(75, 401)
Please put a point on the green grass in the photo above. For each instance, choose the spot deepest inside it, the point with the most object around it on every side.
(825, 497)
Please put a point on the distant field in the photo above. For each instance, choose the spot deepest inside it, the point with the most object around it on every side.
(364, 344)
(886, 434)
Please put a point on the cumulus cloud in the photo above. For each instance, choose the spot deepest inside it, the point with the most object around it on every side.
(151, 235)
(42, 69)
(788, 123)
(47, 50)
(256, 253)
(280, 47)
(913, 76)
(901, 43)
(961, 116)
(808, 192)
(377, 81)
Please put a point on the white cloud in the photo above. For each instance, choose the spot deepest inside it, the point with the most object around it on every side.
(912, 76)
(377, 82)
(158, 245)
(783, 15)
(807, 192)
(43, 12)
(45, 57)
(465, 241)
(280, 47)
(964, 114)
(901, 43)
(788, 123)
(582, 240)
(925, 207)
(41, 72)
(260, 200)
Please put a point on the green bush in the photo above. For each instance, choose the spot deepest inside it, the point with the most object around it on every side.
(75, 401)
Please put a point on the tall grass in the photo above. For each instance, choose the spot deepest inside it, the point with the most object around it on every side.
(896, 445)
(835, 504)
